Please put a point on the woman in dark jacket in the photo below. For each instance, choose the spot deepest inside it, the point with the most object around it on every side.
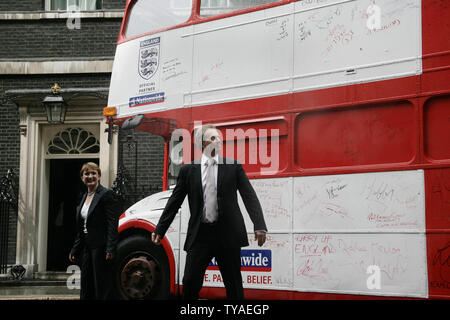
(96, 239)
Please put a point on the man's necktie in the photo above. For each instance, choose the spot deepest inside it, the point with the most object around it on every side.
(210, 193)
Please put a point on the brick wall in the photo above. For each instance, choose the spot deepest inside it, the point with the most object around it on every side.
(52, 39)
(9, 159)
(149, 163)
(114, 4)
(23, 5)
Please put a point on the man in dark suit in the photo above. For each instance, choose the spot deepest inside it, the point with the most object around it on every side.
(216, 227)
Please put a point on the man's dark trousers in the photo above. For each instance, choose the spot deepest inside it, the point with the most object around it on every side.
(204, 248)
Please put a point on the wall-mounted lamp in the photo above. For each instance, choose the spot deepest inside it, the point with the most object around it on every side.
(55, 107)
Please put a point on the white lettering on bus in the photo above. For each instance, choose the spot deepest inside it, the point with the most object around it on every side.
(261, 146)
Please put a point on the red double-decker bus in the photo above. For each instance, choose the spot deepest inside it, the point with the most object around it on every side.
(339, 111)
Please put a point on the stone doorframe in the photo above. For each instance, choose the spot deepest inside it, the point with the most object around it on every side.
(34, 177)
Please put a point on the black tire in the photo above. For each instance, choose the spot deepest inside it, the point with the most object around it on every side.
(141, 270)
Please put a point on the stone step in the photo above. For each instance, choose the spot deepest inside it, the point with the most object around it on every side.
(38, 292)
(52, 275)
(47, 278)
(32, 283)
(44, 286)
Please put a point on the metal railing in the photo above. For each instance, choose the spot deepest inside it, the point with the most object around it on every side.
(128, 187)
(8, 206)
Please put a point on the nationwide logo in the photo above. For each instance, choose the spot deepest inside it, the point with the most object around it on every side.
(251, 260)
(147, 99)
(149, 57)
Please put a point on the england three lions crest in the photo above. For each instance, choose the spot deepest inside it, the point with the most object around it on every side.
(149, 57)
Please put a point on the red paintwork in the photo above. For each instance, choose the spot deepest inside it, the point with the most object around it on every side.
(438, 255)
(437, 199)
(396, 124)
(436, 79)
(362, 136)
(436, 127)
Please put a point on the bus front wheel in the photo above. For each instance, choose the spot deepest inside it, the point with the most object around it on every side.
(142, 270)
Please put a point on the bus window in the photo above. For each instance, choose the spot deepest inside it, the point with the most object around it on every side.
(148, 15)
(82, 5)
(210, 8)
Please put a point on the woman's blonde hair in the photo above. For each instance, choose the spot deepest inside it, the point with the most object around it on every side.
(90, 166)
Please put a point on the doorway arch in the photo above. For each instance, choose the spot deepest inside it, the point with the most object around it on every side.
(64, 150)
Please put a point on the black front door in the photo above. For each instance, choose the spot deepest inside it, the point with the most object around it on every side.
(66, 190)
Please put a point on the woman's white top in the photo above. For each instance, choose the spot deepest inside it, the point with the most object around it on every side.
(84, 213)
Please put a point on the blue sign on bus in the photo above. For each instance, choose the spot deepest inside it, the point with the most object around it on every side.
(251, 260)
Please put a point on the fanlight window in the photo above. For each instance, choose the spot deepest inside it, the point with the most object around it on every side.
(73, 141)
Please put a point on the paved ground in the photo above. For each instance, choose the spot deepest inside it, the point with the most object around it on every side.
(37, 290)
(38, 293)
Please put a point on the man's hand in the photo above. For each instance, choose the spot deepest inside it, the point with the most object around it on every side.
(71, 258)
(156, 239)
(261, 237)
(109, 256)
